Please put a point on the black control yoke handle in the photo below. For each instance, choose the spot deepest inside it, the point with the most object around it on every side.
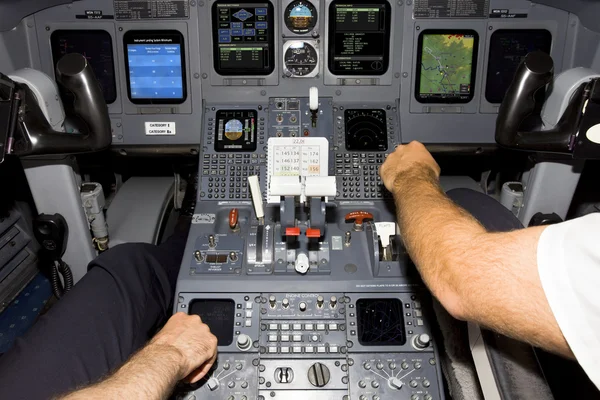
(37, 137)
(533, 74)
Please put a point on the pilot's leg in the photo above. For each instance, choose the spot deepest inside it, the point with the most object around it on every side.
(107, 316)
(490, 213)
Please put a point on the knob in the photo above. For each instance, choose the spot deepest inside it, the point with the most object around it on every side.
(285, 303)
(302, 263)
(233, 219)
(319, 375)
(272, 301)
(375, 384)
(395, 383)
(244, 342)
(422, 341)
(212, 384)
(302, 306)
(320, 301)
(362, 384)
(333, 302)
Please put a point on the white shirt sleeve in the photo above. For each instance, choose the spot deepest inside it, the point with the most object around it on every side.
(568, 257)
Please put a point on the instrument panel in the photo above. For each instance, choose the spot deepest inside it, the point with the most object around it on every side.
(450, 67)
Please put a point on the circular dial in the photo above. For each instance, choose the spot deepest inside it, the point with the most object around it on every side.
(366, 130)
(301, 58)
(300, 16)
(319, 375)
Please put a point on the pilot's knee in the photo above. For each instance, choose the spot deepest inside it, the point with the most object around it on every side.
(124, 256)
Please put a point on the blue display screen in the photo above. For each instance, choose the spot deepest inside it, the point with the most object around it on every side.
(155, 71)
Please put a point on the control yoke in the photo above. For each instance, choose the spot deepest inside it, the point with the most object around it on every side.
(29, 130)
(573, 134)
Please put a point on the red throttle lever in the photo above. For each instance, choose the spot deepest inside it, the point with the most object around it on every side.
(359, 218)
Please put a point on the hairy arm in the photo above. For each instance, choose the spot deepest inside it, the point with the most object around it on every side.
(487, 278)
(184, 348)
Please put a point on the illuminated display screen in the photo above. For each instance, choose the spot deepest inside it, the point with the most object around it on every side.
(508, 47)
(446, 65)
(155, 67)
(380, 322)
(96, 47)
(359, 37)
(243, 38)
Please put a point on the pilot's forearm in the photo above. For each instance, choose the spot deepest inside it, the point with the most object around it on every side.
(436, 232)
(487, 278)
(150, 374)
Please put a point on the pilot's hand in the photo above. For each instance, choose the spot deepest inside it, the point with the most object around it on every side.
(195, 345)
(413, 158)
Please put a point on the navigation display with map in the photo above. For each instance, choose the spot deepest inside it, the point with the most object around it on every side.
(446, 65)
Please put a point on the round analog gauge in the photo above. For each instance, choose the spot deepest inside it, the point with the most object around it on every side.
(301, 59)
(301, 16)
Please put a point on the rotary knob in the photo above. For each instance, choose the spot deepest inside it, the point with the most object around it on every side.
(422, 341)
(212, 384)
(244, 342)
(395, 383)
(319, 375)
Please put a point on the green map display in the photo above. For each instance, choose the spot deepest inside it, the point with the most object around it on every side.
(446, 65)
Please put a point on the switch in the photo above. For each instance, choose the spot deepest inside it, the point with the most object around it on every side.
(285, 327)
(297, 338)
(297, 349)
(309, 349)
(285, 303)
(212, 384)
(249, 305)
(211, 242)
(285, 338)
(321, 349)
(297, 327)
(272, 301)
(309, 327)
(272, 338)
(248, 314)
(285, 349)
(272, 327)
(320, 327)
(248, 323)
(333, 302)
(333, 349)
(272, 349)
(320, 301)
(302, 306)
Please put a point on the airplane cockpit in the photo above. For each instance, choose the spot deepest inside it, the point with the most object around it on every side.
(277, 115)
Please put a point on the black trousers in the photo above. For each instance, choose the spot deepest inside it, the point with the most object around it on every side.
(120, 304)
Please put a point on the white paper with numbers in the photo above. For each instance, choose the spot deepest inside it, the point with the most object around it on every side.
(296, 157)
